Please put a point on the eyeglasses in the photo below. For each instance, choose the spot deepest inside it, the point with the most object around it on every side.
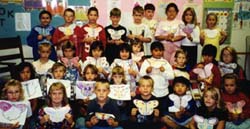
(13, 92)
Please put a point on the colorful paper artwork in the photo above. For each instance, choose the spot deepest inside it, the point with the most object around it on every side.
(32, 89)
(146, 108)
(66, 83)
(85, 89)
(120, 92)
(55, 7)
(33, 4)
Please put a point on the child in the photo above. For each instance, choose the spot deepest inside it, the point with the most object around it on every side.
(192, 31)
(44, 31)
(138, 30)
(96, 57)
(92, 31)
(158, 69)
(115, 34)
(137, 52)
(58, 70)
(102, 111)
(25, 71)
(90, 73)
(211, 114)
(213, 35)
(181, 106)
(207, 71)
(118, 76)
(180, 68)
(236, 102)
(13, 92)
(57, 99)
(129, 66)
(67, 32)
(141, 119)
(169, 32)
(228, 63)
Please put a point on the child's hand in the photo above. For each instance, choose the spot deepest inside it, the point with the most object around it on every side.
(69, 118)
(133, 111)
(40, 37)
(118, 42)
(178, 114)
(94, 120)
(156, 112)
(223, 33)
(86, 101)
(100, 69)
(132, 94)
(132, 72)
(44, 119)
(14, 126)
(48, 37)
(149, 69)
(139, 37)
(89, 40)
(162, 69)
(235, 117)
(110, 121)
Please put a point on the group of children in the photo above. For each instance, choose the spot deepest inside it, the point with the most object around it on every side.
(157, 61)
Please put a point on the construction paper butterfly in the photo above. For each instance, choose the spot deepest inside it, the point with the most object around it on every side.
(227, 68)
(69, 30)
(179, 102)
(104, 116)
(116, 34)
(86, 89)
(137, 56)
(43, 31)
(235, 108)
(70, 62)
(32, 89)
(120, 92)
(99, 62)
(188, 28)
(203, 123)
(146, 108)
(56, 114)
(204, 72)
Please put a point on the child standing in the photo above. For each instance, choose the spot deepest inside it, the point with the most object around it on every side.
(116, 35)
(169, 32)
(44, 31)
(212, 34)
(236, 102)
(58, 71)
(192, 31)
(137, 52)
(92, 31)
(180, 68)
(181, 106)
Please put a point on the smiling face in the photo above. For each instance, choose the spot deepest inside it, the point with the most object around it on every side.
(171, 13)
(13, 93)
(209, 100)
(45, 19)
(115, 20)
(92, 16)
(56, 96)
(145, 88)
(188, 17)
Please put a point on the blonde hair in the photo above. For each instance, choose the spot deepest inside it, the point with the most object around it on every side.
(215, 95)
(102, 82)
(44, 45)
(120, 71)
(57, 86)
(14, 83)
(58, 65)
(146, 78)
(232, 52)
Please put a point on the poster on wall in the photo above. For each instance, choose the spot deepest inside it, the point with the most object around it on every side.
(55, 7)
(78, 2)
(22, 22)
(241, 15)
(218, 0)
(33, 4)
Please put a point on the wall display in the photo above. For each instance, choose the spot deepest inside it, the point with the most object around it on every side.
(241, 15)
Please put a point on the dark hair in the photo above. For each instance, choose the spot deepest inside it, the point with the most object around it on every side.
(209, 50)
(57, 65)
(125, 47)
(149, 6)
(69, 10)
(115, 12)
(93, 9)
(182, 80)
(20, 67)
(96, 45)
(138, 9)
(157, 44)
(68, 45)
(230, 76)
(45, 12)
(136, 42)
(172, 5)
(212, 14)
(194, 20)
(93, 68)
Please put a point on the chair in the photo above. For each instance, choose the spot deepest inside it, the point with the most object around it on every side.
(11, 53)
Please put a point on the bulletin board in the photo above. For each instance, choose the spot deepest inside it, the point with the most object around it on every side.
(241, 15)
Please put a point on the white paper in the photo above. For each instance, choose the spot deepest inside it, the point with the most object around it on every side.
(146, 108)
(32, 89)
(120, 92)
(12, 112)
(85, 89)
(22, 21)
(66, 83)
(56, 114)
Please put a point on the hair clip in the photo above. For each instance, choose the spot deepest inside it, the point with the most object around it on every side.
(44, 41)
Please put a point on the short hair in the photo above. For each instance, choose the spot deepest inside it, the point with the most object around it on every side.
(58, 65)
(12, 82)
(93, 9)
(68, 45)
(125, 47)
(232, 51)
(138, 9)
(136, 42)
(20, 67)
(212, 14)
(96, 45)
(230, 76)
(102, 82)
(194, 20)
(115, 12)
(45, 12)
(120, 71)
(146, 78)
(209, 50)
(180, 51)
(57, 86)
(69, 10)
(181, 80)
(157, 45)
(149, 6)
(45, 44)
(171, 5)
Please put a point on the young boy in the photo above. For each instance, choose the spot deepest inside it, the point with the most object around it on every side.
(149, 10)
(116, 35)
(102, 111)
(58, 71)
(138, 30)
(181, 106)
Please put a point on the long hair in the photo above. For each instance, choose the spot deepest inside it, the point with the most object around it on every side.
(57, 86)
(215, 95)
(14, 83)
(194, 20)
(20, 67)
(232, 52)
(120, 71)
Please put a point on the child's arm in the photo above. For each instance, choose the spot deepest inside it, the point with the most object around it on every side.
(223, 37)
(196, 35)
(69, 119)
(133, 114)
(143, 39)
(92, 122)
(192, 124)
(221, 124)
(202, 37)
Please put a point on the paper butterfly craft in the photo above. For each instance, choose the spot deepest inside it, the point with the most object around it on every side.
(188, 28)
(92, 32)
(12, 112)
(156, 64)
(179, 73)
(203, 123)
(204, 72)
(235, 108)
(56, 115)
(146, 108)
(32, 89)
(116, 34)
(104, 116)
(43, 31)
(227, 68)
(179, 102)
(120, 92)
(66, 83)
(99, 62)
(69, 30)
(137, 57)
(211, 33)
(170, 29)
(85, 89)
(70, 62)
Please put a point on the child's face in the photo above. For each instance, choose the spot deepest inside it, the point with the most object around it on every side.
(211, 21)
(44, 52)
(124, 54)
(69, 17)
(115, 20)
(25, 74)
(117, 78)
(13, 93)
(181, 59)
(45, 19)
(209, 100)
(227, 57)
(101, 92)
(180, 88)
(92, 16)
(207, 59)
(96, 53)
(171, 13)
(230, 86)
(90, 75)
(56, 96)
(59, 73)
(137, 17)
(157, 53)
(188, 17)
(68, 53)
(145, 88)
(136, 48)
(149, 14)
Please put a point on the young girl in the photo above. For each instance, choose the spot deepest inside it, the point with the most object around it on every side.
(56, 101)
(58, 70)
(96, 57)
(44, 31)
(25, 71)
(213, 35)
(192, 31)
(13, 92)
(129, 66)
(228, 63)
(211, 114)
(169, 32)
(180, 68)
(118, 76)
(92, 32)
(90, 73)
(236, 102)
(137, 52)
